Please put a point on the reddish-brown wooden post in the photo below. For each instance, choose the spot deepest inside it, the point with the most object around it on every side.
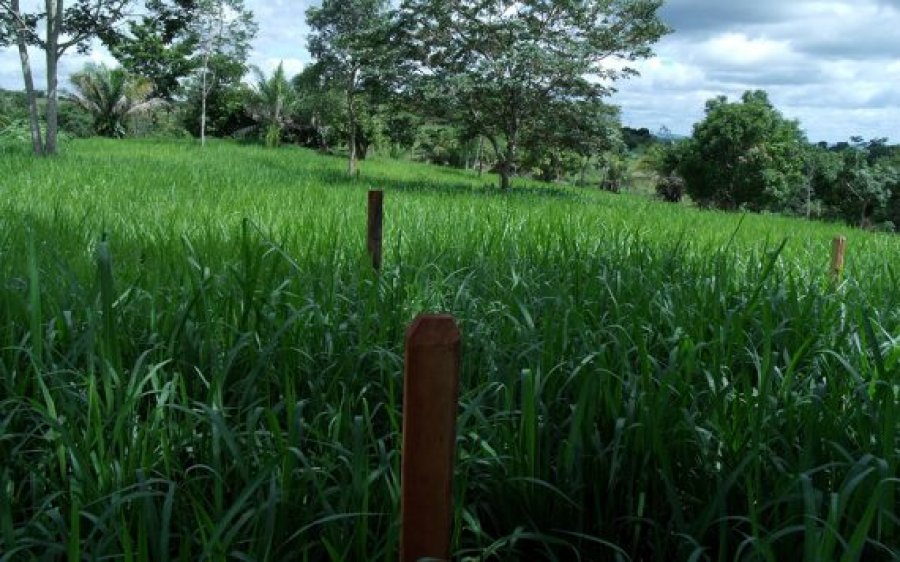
(430, 387)
(838, 254)
(375, 227)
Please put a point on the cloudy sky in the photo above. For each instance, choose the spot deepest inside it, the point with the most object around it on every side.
(832, 64)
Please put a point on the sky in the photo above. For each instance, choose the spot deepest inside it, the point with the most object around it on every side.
(834, 65)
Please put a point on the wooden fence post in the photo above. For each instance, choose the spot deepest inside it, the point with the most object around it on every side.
(430, 388)
(375, 227)
(838, 253)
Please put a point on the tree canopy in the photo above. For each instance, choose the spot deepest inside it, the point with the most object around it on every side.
(271, 102)
(111, 96)
(159, 45)
(349, 43)
(744, 154)
(498, 68)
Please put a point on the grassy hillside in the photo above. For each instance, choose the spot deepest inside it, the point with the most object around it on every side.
(220, 378)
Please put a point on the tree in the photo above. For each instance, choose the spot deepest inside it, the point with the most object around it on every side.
(111, 96)
(349, 41)
(319, 108)
(224, 104)
(159, 45)
(271, 104)
(866, 189)
(64, 28)
(17, 27)
(224, 30)
(569, 134)
(853, 182)
(663, 160)
(745, 154)
(499, 66)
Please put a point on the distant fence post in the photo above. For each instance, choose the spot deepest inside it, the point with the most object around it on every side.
(430, 388)
(375, 227)
(838, 254)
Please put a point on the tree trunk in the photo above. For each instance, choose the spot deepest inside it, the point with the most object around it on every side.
(508, 168)
(501, 164)
(54, 25)
(362, 146)
(504, 177)
(351, 158)
(351, 115)
(584, 167)
(52, 102)
(34, 121)
(204, 92)
(480, 155)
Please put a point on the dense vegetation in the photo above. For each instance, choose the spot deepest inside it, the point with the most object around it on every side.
(746, 155)
(196, 362)
(515, 88)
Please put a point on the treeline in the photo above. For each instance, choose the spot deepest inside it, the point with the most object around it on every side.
(513, 87)
(745, 155)
(516, 88)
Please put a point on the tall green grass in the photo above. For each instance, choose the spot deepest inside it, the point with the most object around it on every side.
(197, 363)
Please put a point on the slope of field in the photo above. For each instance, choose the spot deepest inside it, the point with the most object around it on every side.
(196, 362)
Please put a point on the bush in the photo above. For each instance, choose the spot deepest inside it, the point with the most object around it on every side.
(16, 136)
(75, 121)
(670, 188)
(744, 154)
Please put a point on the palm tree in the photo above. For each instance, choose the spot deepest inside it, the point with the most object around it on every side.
(271, 104)
(111, 96)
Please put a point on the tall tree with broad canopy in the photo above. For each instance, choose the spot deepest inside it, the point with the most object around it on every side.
(349, 43)
(319, 108)
(501, 65)
(158, 45)
(745, 153)
(66, 25)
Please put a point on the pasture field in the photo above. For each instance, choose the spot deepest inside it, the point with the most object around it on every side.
(197, 363)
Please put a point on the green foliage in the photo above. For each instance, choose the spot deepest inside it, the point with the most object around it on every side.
(225, 112)
(614, 167)
(220, 377)
(320, 110)
(856, 183)
(438, 144)
(567, 135)
(75, 121)
(350, 44)
(13, 106)
(112, 97)
(271, 104)
(58, 28)
(865, 188)
(225, 100)
(637, 139)
(224, 30)
(663, 160)
(159, 45)
(508, 69)
(670, 188)
(745, 155)
(13, 132)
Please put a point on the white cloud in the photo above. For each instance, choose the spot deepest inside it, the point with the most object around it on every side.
(740, 50)
(832, 64)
